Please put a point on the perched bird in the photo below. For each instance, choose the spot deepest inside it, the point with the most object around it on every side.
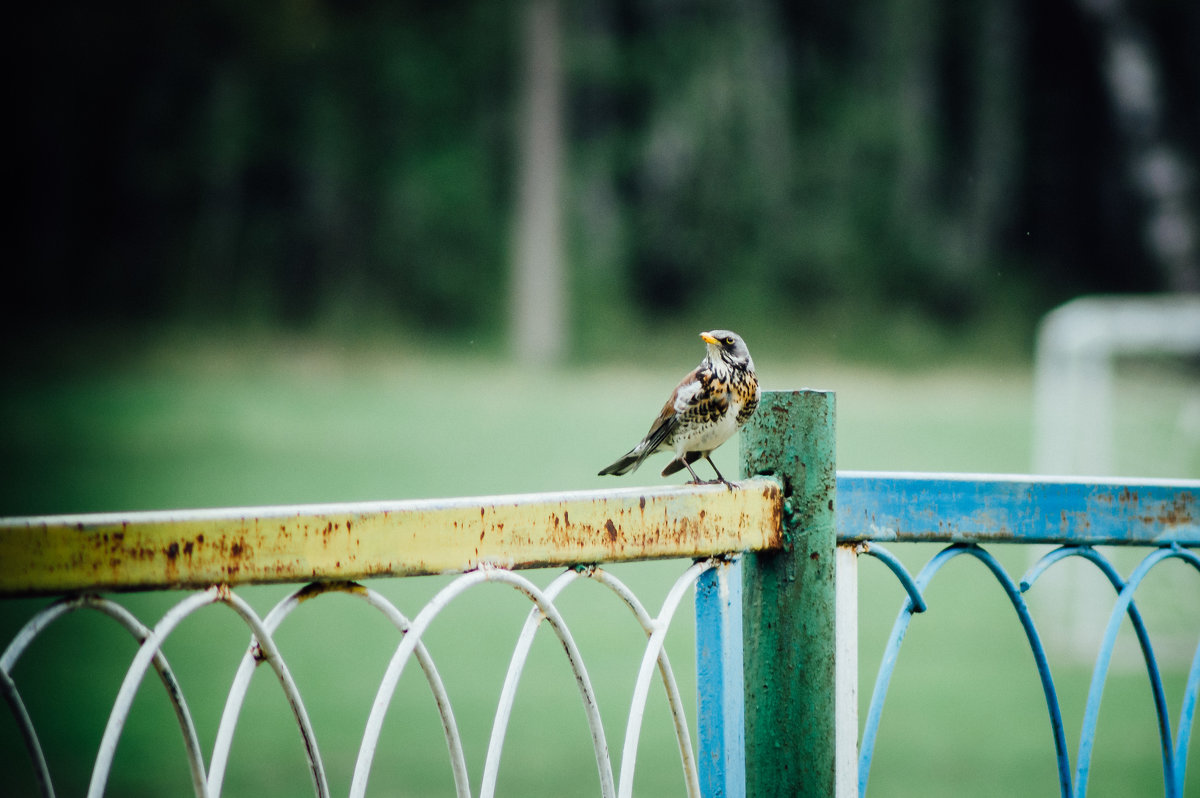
(705, 410)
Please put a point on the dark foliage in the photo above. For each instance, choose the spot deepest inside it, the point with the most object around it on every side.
(290, 163)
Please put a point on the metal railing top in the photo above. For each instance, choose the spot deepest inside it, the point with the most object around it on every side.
(1000, 508)
(197, 548)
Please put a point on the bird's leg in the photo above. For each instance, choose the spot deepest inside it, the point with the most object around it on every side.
(695, 479)
(720, 478)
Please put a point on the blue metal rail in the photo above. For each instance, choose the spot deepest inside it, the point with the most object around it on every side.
(989, 508)
(968, 510)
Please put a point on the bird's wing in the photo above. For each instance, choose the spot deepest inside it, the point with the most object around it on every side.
(682, 398)
(689, 391)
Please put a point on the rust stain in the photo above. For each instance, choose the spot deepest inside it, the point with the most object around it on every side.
(611, 529)
(776, 536)
(1181, 511)
(1069, 522)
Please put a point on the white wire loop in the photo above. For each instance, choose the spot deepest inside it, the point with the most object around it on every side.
(651, 626)
(140, 634)
(151, 646)
(366, 754)
(275, 617)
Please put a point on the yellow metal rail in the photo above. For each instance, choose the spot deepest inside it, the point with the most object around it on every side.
(197, 548)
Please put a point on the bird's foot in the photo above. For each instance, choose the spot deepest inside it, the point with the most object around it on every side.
(718, 481)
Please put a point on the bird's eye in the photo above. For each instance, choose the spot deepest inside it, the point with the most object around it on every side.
(729, 341)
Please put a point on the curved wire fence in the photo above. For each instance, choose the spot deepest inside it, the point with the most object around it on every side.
(1174, 748)
(263, 650)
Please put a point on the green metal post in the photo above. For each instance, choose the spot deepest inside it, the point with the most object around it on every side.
(788, 602)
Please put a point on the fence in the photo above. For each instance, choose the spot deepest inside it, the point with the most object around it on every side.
(775, 570)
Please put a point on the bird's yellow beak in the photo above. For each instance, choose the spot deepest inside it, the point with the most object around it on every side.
(708, 338)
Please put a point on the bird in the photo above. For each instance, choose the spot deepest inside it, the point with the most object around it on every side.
(706, 408)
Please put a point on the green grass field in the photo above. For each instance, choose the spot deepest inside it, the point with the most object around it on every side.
(195, 421)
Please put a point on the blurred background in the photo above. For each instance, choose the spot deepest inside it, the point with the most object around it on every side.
(302, 252)
(835, 170)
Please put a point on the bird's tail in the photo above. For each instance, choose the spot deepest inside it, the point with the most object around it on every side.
(629, 462)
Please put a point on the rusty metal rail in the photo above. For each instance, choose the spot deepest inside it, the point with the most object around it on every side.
(49, 555)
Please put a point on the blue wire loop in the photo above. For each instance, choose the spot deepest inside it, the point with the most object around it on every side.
(1174, 756)
(917, 601)
(886, 668)
(1172, 774)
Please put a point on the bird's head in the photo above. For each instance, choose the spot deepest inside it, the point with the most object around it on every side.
(728, 347)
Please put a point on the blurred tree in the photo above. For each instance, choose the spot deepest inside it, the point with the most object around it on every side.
(539, 293)
(1159, 171)
(279, 163)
